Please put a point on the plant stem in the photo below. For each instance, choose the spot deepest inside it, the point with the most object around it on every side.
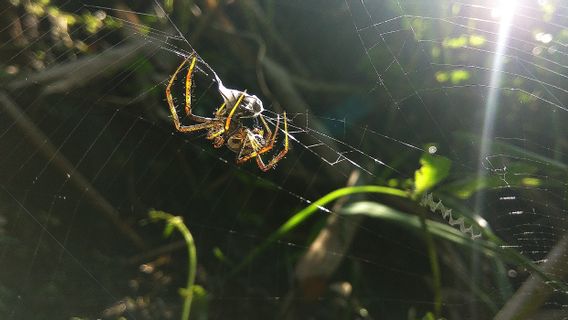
(434, 266)
(177, 222)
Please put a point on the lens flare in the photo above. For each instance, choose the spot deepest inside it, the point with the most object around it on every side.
(504, 9)
(507, 11)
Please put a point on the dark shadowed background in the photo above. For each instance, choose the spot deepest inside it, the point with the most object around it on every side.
(472, 92)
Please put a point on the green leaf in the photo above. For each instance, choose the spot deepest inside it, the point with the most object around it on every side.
(412, 222)
(300, 217)
(494, 247)
(433, 170)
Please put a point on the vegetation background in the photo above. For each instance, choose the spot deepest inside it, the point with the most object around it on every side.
(88, 149)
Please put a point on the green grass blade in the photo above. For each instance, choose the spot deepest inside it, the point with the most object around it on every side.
(301, 216)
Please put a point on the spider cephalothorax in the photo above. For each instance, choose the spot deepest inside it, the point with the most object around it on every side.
(226, 127)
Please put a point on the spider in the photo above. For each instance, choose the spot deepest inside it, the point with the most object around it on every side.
(226, 127)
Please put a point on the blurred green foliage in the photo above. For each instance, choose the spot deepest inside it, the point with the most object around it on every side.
(375, 75)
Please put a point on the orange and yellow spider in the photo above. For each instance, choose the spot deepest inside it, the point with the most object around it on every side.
(226, 127)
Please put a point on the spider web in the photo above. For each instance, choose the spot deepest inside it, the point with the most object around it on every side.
(88, 147)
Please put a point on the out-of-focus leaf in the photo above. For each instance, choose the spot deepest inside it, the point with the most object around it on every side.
(429, 316)
(433, 170)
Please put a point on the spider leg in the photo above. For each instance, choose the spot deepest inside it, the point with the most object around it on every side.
(220, 110)
(217, 136)
(218, 142)
(280, 155)
(239, 100)
(228, 121)
(242, 157)
(257, 154)
(258, 149)
(268, 133)
(205, 123)
(188, 85)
